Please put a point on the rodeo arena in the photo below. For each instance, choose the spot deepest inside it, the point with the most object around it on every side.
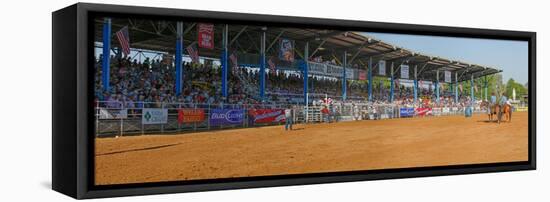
(163, 85)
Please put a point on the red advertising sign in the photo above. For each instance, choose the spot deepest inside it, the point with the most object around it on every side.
(422, 111)
(190, 115)
(206, 35)
(267, 115)
(362, 75)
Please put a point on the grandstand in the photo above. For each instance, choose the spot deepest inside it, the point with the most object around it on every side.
(336, 64)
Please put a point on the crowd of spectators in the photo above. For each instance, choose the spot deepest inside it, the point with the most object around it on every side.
(151, 83)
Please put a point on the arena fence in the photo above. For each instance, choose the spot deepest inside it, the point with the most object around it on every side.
(118, 119)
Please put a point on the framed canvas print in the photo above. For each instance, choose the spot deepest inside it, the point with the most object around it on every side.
(156, 100)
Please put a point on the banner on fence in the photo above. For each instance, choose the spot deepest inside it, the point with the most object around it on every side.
(382, 67)
(406, 112)
(266, 115)
(154, 116)
(446, 110)
(422, 111)
(190, 115)
(113, 113)
(219, 117)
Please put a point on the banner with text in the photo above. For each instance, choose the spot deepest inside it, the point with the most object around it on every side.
(382, 67)
(448, 76)
(405, 71)
(206, 35)
(191, 115)
(220, 117)
(154, 116)
(266, 115)
(406, 112)
(423, 111)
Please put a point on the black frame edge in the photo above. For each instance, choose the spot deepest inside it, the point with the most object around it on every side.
(64, 145)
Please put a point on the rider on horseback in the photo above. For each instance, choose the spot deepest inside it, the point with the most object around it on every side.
(492, 103)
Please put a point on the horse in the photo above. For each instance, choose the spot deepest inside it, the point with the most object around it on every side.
(507, 112)
(492, 110)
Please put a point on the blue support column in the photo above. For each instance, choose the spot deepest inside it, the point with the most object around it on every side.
(344, 82)
(391, 83)
(106, 63)
(224, 61)
(262, 67)
(305, 67)
(178, 58)
(456, 87)
(437, 86)
(370, 79)
(415, 88)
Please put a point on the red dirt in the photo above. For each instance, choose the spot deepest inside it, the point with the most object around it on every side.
(314, 148)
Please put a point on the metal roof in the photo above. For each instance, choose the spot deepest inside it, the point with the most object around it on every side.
(161, 36)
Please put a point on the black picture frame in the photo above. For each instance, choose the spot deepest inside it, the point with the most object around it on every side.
(72, 82)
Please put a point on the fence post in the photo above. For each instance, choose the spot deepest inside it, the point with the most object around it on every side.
(208, 119)
(162, 125)
(121, 120)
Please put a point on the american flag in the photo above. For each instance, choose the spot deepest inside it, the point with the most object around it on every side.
(124, 40)
(194, 54)
(233, 58)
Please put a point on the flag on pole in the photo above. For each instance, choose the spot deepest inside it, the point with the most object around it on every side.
(193, 53)
(124, 40)
(233, 58)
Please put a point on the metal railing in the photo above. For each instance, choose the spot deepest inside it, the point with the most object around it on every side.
(117, 118)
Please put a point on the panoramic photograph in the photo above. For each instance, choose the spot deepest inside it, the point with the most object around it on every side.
(190, 100)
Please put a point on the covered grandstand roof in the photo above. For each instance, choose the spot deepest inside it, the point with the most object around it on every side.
(330, 44)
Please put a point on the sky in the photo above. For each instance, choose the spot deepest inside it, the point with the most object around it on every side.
(507, 55)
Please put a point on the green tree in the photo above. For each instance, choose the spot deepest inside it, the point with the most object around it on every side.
(511, 85)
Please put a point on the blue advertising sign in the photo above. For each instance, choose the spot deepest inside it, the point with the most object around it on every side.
(219, 117)
(406, 112)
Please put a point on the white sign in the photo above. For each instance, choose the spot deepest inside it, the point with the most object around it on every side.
(113, 113)
(331, 70)
(448, 76)
(404, 71)
(154, 116)
(382, 67)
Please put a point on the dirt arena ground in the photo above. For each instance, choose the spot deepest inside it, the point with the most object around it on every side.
(345, 146)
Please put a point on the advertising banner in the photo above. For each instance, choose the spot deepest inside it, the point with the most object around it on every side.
(113, 113)
(286, 51)
(266, 115)
(423, 111)
(219, 117)
(191, 115)
(362, 75)
(154, 116)
(448, 76)
(206, 35)
(404, 71)
(382, 67)
(406, 112)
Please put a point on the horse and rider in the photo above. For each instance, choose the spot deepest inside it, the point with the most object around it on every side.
(497, 107)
